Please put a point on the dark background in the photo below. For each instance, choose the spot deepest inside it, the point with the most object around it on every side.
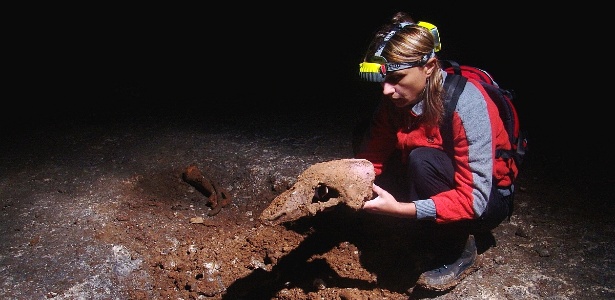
(97, 64)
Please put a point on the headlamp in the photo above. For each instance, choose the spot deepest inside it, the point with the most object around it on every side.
(434, 31)
(376, 67)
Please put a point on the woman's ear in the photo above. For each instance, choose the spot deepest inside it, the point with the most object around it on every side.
(430, 66)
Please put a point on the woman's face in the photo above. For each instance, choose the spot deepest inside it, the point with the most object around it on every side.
(403, 87)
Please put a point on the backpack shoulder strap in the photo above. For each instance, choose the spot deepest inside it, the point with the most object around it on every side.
(453, 86)
(445, 63)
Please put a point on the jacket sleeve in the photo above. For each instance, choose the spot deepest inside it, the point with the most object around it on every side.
(381, 138)
(477, 130)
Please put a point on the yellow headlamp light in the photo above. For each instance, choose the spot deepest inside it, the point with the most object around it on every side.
(372, 71)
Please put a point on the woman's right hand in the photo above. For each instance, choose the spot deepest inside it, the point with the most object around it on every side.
(386, 204)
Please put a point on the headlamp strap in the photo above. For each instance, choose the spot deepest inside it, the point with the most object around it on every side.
(432, 28)
(389, 35)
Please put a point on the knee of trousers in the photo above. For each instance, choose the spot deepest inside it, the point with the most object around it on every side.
(425, 162)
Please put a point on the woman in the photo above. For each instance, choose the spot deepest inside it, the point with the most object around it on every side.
(464, 193)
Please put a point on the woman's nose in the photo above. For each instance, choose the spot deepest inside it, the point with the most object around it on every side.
(387, 88)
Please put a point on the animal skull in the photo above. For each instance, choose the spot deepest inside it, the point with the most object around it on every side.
(321, 186)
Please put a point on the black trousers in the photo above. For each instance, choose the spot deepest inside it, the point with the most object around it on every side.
(430, 171)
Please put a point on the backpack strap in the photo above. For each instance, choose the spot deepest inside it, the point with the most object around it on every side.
(445, 63)
(453, 85)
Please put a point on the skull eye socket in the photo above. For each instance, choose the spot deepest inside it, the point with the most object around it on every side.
(323, 193)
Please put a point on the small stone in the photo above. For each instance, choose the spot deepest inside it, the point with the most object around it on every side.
(499, 260)
(319, 284)
(543, 252)
(522, 232)
(197, 220)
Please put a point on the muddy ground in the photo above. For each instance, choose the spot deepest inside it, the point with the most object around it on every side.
(94, 207)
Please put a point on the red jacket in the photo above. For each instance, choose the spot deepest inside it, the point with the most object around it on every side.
(477, 130)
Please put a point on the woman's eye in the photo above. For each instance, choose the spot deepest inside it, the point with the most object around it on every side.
(393, 78)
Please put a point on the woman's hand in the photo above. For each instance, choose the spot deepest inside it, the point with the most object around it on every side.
(385, 204)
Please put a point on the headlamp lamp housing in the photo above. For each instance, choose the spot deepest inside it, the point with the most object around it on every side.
(434, 31)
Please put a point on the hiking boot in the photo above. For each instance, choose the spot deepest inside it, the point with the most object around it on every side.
(448, 276)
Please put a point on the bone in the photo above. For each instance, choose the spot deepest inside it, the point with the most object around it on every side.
(322, 186)
(217, 197)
